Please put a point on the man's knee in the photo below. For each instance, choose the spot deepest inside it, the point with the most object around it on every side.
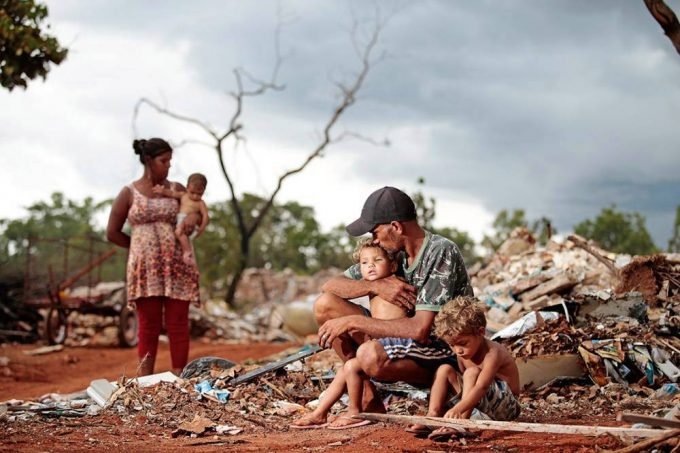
(323, 308)
(372, 358)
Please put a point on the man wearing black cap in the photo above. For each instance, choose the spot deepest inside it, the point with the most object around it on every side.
(431, 272)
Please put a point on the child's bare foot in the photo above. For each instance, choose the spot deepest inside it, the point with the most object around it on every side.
(345, 421)
(309, 421)
(188, 258)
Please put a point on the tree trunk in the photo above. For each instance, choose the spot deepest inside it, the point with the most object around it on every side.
(243, 263)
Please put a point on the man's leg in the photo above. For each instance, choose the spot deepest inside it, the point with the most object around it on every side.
(376, 364)
(329, 306)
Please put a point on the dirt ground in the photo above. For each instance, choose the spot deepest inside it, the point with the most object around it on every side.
(72, 369)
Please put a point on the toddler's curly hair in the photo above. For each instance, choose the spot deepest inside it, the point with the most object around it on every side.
(367, 242)
(463, 315)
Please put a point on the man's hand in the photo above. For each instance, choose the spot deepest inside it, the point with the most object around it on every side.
(395, 291)
(332, 329)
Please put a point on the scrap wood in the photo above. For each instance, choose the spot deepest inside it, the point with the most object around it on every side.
(648, 443)
(582, 243)
(512, 426)
(648, 420)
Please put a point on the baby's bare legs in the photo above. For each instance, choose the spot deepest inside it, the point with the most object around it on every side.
(187, 253)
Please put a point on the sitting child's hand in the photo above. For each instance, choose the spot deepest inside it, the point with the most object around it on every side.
(158, 189)
(453, 413)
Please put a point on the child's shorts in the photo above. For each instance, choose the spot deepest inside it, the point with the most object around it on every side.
(499, 403)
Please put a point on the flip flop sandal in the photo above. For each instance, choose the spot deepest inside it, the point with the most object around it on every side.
(443, 435)
(357, 423)
(421, 431)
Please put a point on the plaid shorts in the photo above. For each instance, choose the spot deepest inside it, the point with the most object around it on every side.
(499, 403)
(429, 355)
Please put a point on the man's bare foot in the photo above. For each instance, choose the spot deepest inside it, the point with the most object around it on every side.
(309, 421)
(188, 258)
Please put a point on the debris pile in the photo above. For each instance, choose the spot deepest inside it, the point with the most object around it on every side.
(617, 316)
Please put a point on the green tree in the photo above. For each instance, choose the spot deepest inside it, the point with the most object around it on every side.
(503, 225)
(26, 52)
(674, 243)
(61, 236)
(288, 237)
(426, 210)
(619, 232)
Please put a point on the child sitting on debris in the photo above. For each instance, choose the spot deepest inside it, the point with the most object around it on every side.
(490, 378)
(375, 263)
(191, 204)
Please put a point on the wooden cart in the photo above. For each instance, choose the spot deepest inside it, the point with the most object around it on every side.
(92, 297)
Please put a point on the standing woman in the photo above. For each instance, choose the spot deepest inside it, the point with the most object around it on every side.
(159, 283)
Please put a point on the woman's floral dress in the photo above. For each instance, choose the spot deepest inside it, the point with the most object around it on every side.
(155, 266)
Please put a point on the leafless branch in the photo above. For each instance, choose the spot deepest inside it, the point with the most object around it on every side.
(348, 99)
(667, 19)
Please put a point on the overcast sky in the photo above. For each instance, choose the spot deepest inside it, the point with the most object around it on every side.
(560, 108)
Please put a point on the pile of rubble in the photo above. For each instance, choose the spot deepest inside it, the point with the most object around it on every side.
(572, 309)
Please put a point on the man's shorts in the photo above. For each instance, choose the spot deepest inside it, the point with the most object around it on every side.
(431, 355)
(499, 403)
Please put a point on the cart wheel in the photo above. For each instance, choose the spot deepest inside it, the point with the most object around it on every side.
(56, 326)
(127, 328)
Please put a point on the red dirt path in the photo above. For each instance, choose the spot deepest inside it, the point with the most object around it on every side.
(72, 370)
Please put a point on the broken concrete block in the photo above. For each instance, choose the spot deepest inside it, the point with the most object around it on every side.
(558, 284)
(100, 390)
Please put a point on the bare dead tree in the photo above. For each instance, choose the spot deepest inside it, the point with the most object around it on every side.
(667, 19)
(348, 96)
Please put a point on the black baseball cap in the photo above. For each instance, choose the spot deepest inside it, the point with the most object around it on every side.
(383, 206)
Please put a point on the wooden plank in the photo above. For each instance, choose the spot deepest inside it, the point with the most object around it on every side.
(648, 420)
(557, 284)
(646, 444)
(513, 426)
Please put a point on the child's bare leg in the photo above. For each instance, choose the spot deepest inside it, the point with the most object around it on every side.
(355, 378)
(470, 376)
(333, 393)
(443, 381)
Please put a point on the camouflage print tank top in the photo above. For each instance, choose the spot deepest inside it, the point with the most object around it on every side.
(438, 273)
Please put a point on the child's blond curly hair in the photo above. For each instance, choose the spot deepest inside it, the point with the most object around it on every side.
(367, 242)
(463, 315)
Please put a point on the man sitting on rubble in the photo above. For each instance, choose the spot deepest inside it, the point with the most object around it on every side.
(432, 273)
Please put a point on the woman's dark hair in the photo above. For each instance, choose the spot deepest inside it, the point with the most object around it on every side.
(150, 148)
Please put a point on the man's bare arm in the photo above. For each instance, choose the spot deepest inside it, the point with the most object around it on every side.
(392, 289)
(418, 327)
